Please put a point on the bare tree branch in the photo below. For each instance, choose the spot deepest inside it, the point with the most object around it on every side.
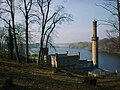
(107, 9)
(4, 20)
(22, 11)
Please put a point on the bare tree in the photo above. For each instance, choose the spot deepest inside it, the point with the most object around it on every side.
(10, 41)
(26, 8)
(49, 21)
(21, 38)
(113, 6)
(3, 34)
(8, 8)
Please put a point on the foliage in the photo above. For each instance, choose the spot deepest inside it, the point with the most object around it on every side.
(2, 54)
(34, 55)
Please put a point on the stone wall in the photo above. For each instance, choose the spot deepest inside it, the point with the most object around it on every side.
(68, 62)
(85, 64)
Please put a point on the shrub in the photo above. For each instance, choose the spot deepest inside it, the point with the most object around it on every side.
(35, 55)
(8, 84)
(57, 70)
(91, 81)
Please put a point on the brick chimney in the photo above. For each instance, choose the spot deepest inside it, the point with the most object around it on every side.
(95, 45)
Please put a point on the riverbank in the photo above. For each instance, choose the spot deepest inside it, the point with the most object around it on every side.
(28, 76)
(99, 50)
(106, 45)
(112, 53)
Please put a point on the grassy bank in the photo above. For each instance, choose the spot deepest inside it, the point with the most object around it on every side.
(31, 77)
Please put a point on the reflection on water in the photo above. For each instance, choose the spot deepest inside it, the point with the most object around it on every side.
(106, 61)
(109, 61)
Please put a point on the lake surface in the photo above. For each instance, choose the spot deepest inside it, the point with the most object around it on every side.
(106, 61)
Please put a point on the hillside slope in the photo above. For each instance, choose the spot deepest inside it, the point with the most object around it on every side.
(31, 77)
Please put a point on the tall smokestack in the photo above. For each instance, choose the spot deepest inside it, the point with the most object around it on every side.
(95, 45)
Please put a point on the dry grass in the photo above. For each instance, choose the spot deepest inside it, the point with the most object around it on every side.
(31, 77)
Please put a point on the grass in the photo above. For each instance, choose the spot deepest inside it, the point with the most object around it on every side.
(28, 76)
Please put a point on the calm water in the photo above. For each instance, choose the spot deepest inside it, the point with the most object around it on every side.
(106, 61)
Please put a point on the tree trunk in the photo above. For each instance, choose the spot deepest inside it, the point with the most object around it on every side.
(27, 56)
(15, 44)
(46, 46)
(14, 33)
(10, 41)
(40, 51)
(118, 8)
(41, 47)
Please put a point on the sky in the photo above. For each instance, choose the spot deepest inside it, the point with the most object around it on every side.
(84, 12)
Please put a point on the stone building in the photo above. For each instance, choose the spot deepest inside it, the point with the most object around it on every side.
(66, 61)
(73, 62)
(70, 62)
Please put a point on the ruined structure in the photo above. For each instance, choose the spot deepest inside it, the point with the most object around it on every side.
(95, 45)
(66, 61)
(74, 63)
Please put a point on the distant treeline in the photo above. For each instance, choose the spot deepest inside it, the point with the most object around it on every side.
(80, 45)
(105, 45)
(109, 45)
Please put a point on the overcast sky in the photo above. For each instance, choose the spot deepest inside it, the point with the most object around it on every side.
(84, 12)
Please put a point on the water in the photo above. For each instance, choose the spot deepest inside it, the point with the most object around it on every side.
(106, 61)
